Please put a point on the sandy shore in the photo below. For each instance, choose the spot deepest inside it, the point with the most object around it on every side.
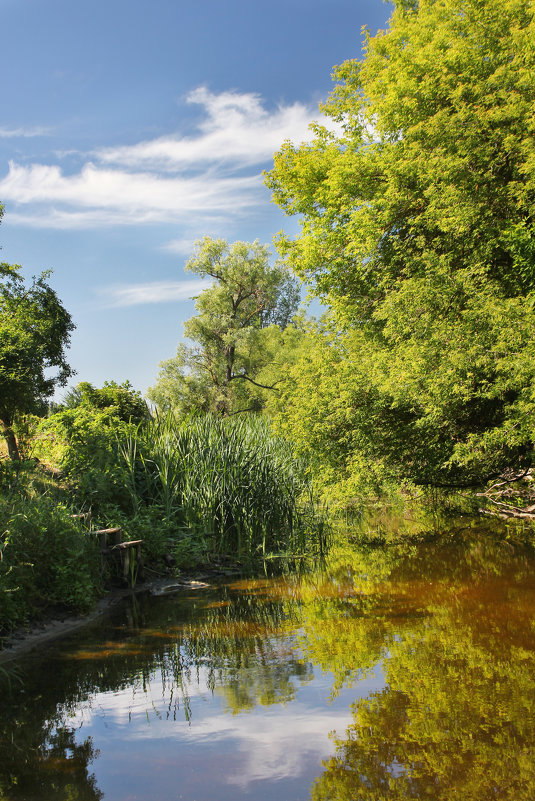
(26, 639)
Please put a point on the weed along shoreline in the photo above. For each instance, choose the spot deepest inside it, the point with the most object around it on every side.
(192, 494)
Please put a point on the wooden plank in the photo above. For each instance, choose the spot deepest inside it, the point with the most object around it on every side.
(122, 546)
(107, 531)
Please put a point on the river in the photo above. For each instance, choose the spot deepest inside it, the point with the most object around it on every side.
(395, 673)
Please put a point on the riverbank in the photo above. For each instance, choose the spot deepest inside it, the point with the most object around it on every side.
(27, 638)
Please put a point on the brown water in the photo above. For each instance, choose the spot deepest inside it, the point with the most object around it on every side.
(402, 673)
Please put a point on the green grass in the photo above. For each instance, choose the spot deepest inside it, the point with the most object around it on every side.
(225, 486)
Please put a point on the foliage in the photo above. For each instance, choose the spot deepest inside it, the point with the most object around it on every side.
(236, 332)
(84, 443)
(46, 558)
(387, 407)
(417, 227)
(34, 333)
(126, 402)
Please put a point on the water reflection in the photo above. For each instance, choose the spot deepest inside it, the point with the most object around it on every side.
(419, 660)
(456, 719)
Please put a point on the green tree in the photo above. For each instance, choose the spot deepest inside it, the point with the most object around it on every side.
(418, 229)
(236, 332)
(126, 402)
(35, 331)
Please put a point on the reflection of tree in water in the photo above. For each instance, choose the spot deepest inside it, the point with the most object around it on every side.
(47, 763)
(456, 720)
(234, 640)
(453, 626)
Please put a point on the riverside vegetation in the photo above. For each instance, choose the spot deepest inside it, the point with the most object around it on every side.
(196, 490)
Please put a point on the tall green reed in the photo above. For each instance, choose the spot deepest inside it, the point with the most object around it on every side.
(228, 484)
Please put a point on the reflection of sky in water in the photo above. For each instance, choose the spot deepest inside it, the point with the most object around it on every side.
(220, 695)
(149, 750)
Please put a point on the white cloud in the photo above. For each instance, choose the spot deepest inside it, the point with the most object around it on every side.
(12, 133)
(237, 129)
(182, 246)
(152, 292)
(214, 175)
(153, 196)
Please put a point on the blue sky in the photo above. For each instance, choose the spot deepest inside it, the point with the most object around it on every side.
(129, 129)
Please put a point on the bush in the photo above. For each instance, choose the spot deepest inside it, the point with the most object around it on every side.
(46, 559)
(84, 443)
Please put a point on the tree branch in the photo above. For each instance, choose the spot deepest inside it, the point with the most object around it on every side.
(262, 386)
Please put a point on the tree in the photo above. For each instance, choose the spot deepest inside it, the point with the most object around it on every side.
(123, 399)
(34, 333)
(240, 323)
(418, 229)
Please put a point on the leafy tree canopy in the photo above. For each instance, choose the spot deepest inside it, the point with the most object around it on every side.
(418, 228)
(240, 322)
(434, 169)
(34, 334)
(123, 399)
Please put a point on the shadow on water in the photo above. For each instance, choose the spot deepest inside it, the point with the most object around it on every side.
(425, 652)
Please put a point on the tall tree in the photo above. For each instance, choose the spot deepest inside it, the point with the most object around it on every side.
(418, 228)
(238, 325)
(35, 331)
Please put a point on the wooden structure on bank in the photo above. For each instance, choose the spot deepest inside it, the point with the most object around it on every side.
(129, 552)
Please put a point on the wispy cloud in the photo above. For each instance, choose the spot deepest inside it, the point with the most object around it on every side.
(215, 173)
(152, 194)
(237, 128)
(153, 292)
(13, 133)
(181, 246)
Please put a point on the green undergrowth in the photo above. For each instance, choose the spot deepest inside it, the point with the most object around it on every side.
(47, 559)
(198, 491)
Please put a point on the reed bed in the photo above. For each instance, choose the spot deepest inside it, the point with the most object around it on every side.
(228, 485)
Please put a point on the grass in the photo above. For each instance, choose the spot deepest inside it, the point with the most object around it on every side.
(202, 489)
(228, 485)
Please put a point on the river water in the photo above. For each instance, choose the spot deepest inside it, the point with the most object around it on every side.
(405, 672)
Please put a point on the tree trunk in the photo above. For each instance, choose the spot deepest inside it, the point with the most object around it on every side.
(9, 436)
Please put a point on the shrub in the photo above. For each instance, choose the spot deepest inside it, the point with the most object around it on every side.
(46, 559)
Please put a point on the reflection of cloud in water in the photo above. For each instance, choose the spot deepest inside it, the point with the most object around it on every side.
(282, 742)
(279, 742)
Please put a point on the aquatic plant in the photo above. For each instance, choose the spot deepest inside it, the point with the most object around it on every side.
(226, 486)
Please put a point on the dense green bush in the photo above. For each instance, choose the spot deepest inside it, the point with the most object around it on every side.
(84, 443)
(127, 403)
(46, 558)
